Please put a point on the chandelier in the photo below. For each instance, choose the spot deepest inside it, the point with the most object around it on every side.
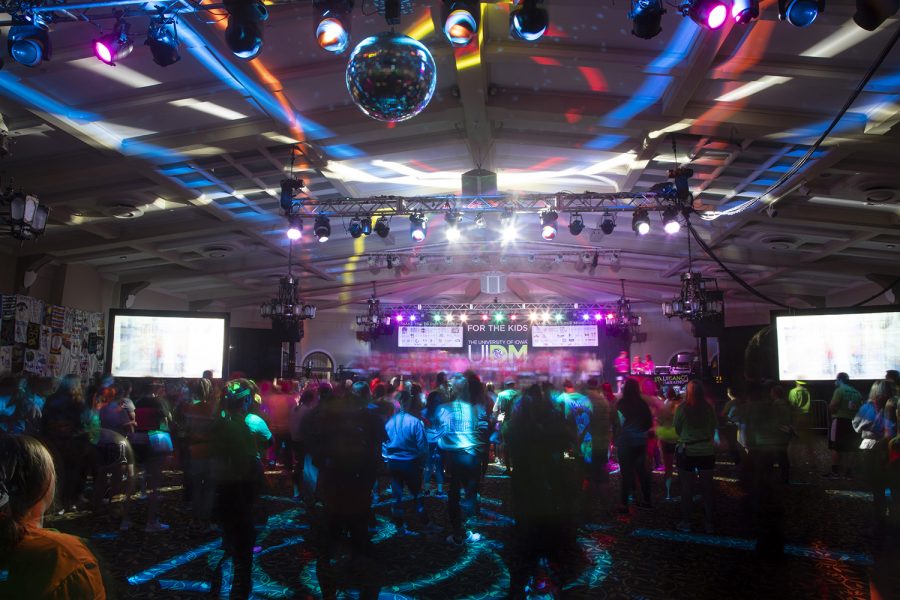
(286, 307)
(22, 215)
(622, 315)
(375, 322)
(695, 302)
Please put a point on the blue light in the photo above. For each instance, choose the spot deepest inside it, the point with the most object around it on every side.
(606, 142)
(173, 563)
(647, 95)
(677, 50)
(801, 13)
(343, 151)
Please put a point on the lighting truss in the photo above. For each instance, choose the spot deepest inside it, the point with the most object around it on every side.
(587, 202)
(493, 307)
(605, 254)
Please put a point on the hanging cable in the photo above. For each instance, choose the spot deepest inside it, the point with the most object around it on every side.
(873, 296)
(732, 274)
(712, 215)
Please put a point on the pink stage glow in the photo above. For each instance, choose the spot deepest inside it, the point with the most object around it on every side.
(546, 61)
(399, 318)
(594, 78)
(103, 52)
(717, 16)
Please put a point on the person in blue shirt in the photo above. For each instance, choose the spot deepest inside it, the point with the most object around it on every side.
(404, 450)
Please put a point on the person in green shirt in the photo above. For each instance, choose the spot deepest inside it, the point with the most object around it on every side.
(695, 424)
(802, 449)
(843, 441)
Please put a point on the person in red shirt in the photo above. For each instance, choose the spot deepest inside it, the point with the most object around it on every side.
(43, 564)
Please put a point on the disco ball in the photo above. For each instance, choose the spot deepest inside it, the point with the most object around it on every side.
(391, 77)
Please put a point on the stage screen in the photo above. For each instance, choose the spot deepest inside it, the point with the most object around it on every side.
(818, 346)
(430, 337)
(167, 345)
(563, 336)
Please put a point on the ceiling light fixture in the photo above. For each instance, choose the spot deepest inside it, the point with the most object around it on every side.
(670, 220)
(417, 226)
(528, 21)
(366, 225)
(453, 233)
(640, 221)
(243, 33)
(710, 14)
(334, 18)
(322, 228)
(646, 18)
(461, 19)
(800, 13)
(355, 228)
(576, 224)
(382, 227)
(295, 227)
(870, 14)
(608, 223)
(116, 45)
(23, 216)
(508, 231)
(744, 11)
(163, 41)
(29, 45)
(548, 224)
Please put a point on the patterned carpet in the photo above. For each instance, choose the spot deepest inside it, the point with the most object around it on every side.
(640, 555)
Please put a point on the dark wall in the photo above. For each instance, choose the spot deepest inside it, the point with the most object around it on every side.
(732, 345)
(256, 352)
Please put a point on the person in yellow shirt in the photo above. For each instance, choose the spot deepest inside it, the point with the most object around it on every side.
(43, 564)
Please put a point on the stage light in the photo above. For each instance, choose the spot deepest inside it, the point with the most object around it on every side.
(484, 317)
(334, 18)
(800, 13)
(463, 317)
(498, 317)
(295, 227)
(398, 317)
(461, 21)
(29, 45)
(640, 222)
(546, 316)
(163, 42)
(480, 221)
(243, 33)
(513, 317)
(576, 224)
(527, 21)
(607, 223)
(646, 18)
(585, 317)
(449, 317)
(366, 225)
(508, 231)
(417, 226)
(744, 11)
(710, 14)
(548, 224)
(670, 220)
(322, 228)
(557, 317)
(437, 317)
(382, 227)
(533, 317)
(870, 14)
(598, 317)
(453, 232)
(115, 45)
(355, 229)
(413, 318)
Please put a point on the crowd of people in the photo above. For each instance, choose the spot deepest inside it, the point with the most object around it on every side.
(352, 445)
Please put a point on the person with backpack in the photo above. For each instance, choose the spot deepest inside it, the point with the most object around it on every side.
(843, 441)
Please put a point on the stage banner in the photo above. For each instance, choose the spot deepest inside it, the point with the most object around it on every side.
(497, 342)
(418, 336)
(564, 336)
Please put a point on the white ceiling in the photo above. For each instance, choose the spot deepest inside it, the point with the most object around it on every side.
(589, 107)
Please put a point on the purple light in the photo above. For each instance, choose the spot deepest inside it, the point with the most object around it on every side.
(598, 317)
(717, 16)
(585, 317)
(103, 52)
(294, 234)
(412, 317)
(399, 318)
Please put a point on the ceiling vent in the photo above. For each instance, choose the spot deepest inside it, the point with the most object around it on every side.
(124, 211)
(881, 195)
(217, 251)
(778, 242)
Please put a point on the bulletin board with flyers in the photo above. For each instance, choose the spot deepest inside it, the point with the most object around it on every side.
(48, 340)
